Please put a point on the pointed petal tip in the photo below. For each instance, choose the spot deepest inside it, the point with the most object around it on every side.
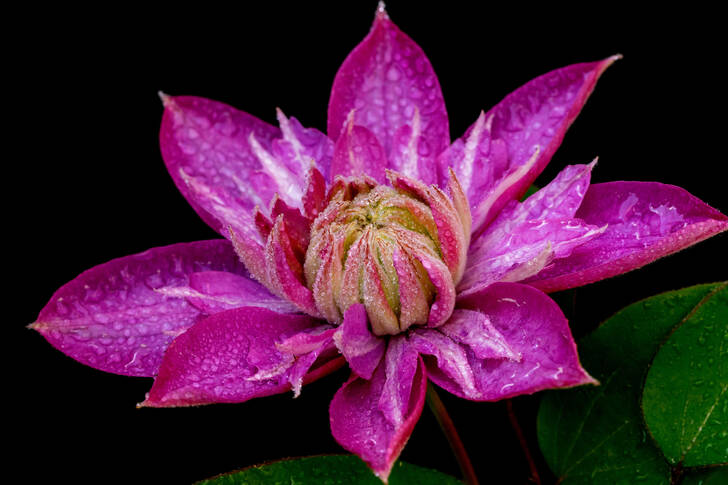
(166, 99)
(381, 12)
(608, 62)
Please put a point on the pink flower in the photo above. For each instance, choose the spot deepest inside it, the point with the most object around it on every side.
(381, 245)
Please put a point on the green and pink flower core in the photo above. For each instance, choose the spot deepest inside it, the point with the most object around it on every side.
(382, 245)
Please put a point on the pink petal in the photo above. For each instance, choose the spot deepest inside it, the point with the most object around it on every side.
(360, 426)
(216, 291)
(411, 154)
(307, 347)
(252, 254)
(208, 142)
(475, 330)
(297, 225)
(504, 151)
(362, 349)
(301, 146)
(560, 199)
(218, 358)
(314, 196)
(284, 272)
(467, 333)
(358, 152)
(450, 231)
(518, 252)
(450, 365)
(112, 317)
(438, 273)
(534, 327)
(385, 79)
(400, 364)
(645, 221)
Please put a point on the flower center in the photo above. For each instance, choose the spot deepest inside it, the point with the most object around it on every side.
(380, 246)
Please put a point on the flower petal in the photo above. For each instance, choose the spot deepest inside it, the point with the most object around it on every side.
(217, 360)
(207, 142)
(646, 221)
(314, 196)
(362, 349)
(358, 152)
(358, 422)
(504, 151)
(385, 79)
(560, 199)
(216, 291)
(307, 347)
(284, 271)
(300, 146)
(533, 326)
(518, 252)
(411, 154)
(112, 317)
(475, 330)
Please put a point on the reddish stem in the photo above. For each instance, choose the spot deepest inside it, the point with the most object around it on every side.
(447, 426)
(535, 478)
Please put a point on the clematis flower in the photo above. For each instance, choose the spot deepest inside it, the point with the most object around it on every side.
(380, 245)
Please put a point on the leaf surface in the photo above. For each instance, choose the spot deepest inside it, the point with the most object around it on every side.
(329, 470)
(596, 434)
(685, 402)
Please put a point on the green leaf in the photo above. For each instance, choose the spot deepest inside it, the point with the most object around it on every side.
(685, 403)
(712, 476)
(595, 435)
(329, 470)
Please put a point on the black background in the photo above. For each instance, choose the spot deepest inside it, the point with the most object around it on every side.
(88, 185)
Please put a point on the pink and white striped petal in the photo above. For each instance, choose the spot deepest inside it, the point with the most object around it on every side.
(284, 272)
(360, 426)
(384, 80)
(223, 358)
(534, 327)
(215, 291)
(504, 151)
(206, 141)
(645, 221)
(358, 152)
(362, 349)
(112, 318)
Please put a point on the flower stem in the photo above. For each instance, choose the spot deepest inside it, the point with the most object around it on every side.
(535, 478)
(447, 426)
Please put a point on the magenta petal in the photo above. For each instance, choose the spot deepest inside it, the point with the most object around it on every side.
(560, 199)
(411, 154)
(357, 153)
(514, 253)
(533, 326)
(307, 347)
(450, 368)
(218, 358)
(216, 291)
(401, 362)
(284, 272)
(207, 142)
(385, 79)
(361, 348)
(314, 195)
(645, 221)
(504, 151)
(301, 146)
(475, 330)
(359, 425)
(112, 317)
